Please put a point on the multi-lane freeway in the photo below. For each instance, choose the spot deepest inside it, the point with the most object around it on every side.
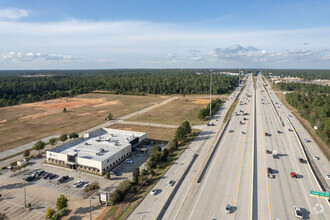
(237, 172)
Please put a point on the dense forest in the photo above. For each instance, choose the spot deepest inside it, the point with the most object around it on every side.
(313, 103)
(304, 74)
(17, 88)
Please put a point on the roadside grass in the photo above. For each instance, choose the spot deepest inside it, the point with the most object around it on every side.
(179, 110)
(255, 82)
(325, 149)
(133, 199)
(25, 123)
(230, 110)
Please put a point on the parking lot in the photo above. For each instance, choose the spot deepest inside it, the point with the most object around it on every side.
(43, 193)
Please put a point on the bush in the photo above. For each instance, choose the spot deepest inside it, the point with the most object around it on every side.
(73, 135)
(63, 137)
(13, 163)
(3, 167)
(64, 211)
(152, 172)
(133, 189)
(144, 172)
(124, 186)
(52, 141)
(26, 153)
(107, 175)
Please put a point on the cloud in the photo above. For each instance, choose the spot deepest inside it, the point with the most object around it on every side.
(30, 56)
(13, 13)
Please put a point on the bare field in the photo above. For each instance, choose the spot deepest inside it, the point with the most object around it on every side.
(177, 111)
(24, 123)
(163, 134)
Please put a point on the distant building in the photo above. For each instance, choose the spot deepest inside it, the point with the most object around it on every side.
(97, 152)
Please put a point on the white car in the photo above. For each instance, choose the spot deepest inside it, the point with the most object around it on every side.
(78, 183)
(154, 191)
(297, 212)
(129, 161)
(327, 176)
(171, 183)
(316, 158)
(86, 185)
(227, 209)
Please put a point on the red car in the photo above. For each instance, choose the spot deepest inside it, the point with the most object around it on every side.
(293, 175)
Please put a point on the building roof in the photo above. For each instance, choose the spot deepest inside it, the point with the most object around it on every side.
(100, 145)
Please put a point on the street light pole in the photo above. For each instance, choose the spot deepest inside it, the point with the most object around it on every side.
(211, 96)
(24, 196)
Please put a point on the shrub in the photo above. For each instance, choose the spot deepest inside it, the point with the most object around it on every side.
(107, 175)
(144, 172)
(116, 197)
(13, 163)
(73, 135)
(63, 137)
(26, 153)
(152, 172)
(64, 211)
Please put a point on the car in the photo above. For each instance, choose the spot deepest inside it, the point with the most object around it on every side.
(114, 173)
(278, 131)
(230, 131)
(35, 173)
(52, 176)
(154, 191)
(86, 185)
(316, 158)
(47, 175)
(38, 155)
(266, 134)
(301, 160)
(269, 170)
(10, 167)
(78, 183)
(63, 178)
(293, 175)
(171, 183)
(245, 119)
(243, 132)
(29, 178)
(269, 151)
(297, 212)
(228, 209)
(129, 161)
(289, 129)
(42, 173)
(327, 176)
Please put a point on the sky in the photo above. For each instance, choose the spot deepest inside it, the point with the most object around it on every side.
(107, 34)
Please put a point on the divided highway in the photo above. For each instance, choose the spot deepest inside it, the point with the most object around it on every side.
(238, 171)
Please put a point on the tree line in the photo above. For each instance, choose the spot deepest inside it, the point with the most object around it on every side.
(18, 90)
(313, 103)
(307, 74)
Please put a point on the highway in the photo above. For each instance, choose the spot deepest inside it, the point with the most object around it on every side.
(237, 174)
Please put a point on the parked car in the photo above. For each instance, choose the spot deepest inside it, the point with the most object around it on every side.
(154, 191)
(78, 183)
(42, 173)
(297, 212)
(86, 185)
(52, 176)
(228, 209)
(63, 178)
(171, 183)
(129, 161)
(29, 178)
(47, 175)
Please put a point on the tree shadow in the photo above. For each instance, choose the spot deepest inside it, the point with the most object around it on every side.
(84, 210)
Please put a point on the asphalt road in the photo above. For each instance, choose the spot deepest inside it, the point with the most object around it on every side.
(237, 174)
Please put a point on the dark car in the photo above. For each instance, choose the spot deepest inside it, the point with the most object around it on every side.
(29, 178)
(47, 175)
(301, 160)
(278, 131)
(269, 170)
(63, 178)
(52, 176)
(268, 151)
(41, 173)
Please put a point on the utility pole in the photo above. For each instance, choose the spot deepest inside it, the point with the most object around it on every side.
(211, 95)
(24, 196)
(90, 208)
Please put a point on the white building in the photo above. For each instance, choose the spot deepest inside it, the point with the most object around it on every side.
(98, 152)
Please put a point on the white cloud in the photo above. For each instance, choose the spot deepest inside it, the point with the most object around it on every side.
(30, 56)
(13, 13)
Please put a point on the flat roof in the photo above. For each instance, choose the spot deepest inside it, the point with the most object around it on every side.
(101, 145)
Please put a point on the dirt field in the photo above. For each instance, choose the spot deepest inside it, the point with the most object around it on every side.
(163, 134)
(24, 123)
(177, 111)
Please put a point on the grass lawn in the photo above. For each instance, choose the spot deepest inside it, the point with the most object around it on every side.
(24, 123)
(164, 134)
(179, 110)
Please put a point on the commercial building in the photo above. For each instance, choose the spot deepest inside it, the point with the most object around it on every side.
(96, 152)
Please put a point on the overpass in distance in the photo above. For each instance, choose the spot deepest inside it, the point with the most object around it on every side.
(232, 170)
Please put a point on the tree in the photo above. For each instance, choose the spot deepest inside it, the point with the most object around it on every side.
(50, 213)
(73, 135)
(186, 126)
(26, 153)
(109, 116)
(39, 146)
(63, 137)
(64, 110)
(3, 216)
(180, 134)
(136, 174)
(62, 202)
(107, 175)
(52, 141)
